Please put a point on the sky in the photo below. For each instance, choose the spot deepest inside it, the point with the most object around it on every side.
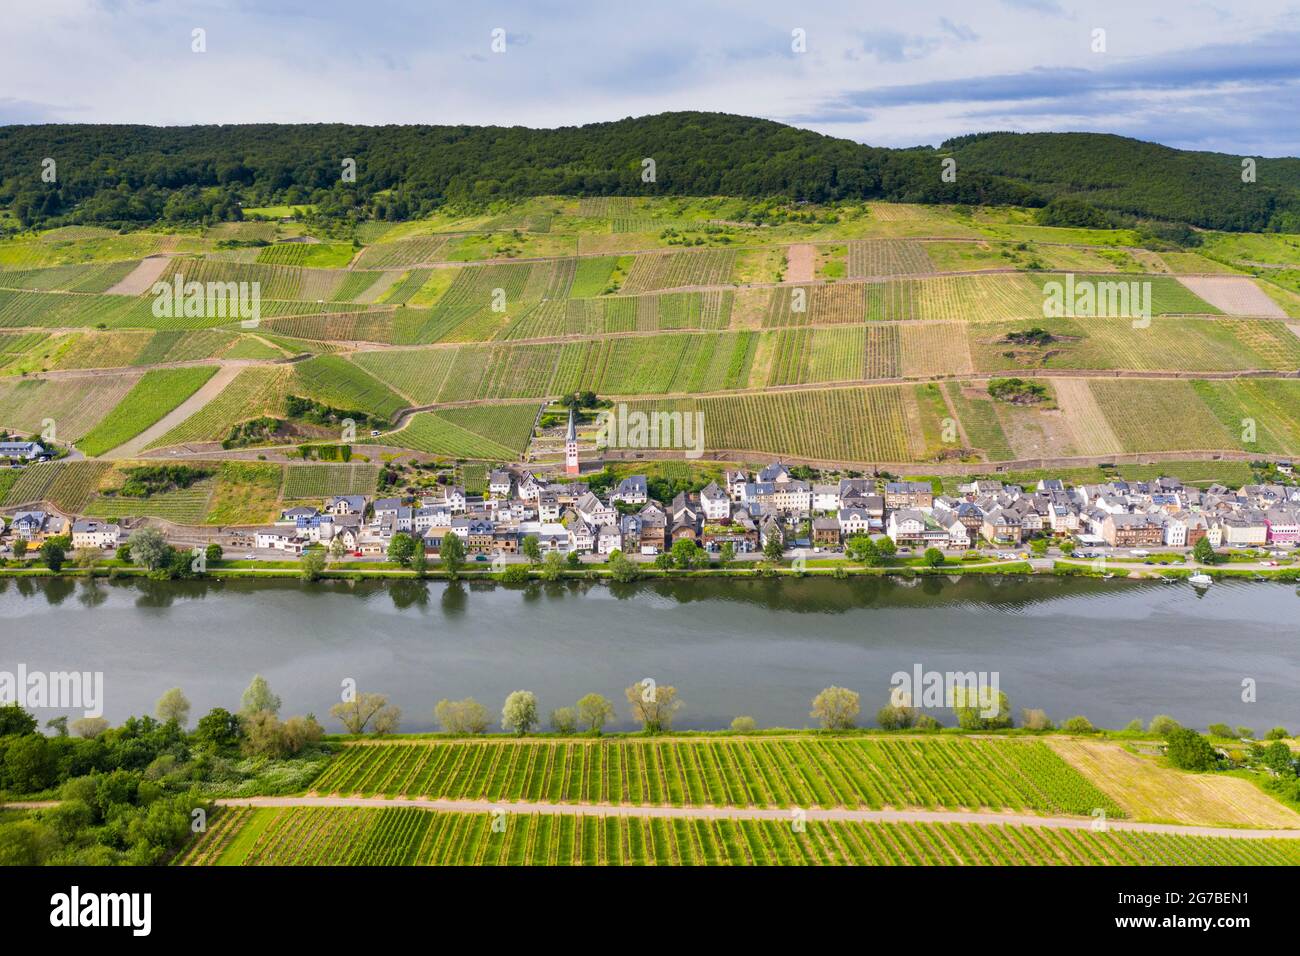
(1222, 76)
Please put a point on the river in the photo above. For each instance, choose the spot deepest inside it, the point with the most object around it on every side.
(1111, 650)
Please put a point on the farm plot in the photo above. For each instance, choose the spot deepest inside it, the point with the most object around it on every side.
(707, 362)
(816, 305)
(791, 352)
(931, 349)
(417, 374)
(854, 772)
(1148, 791)
(245, 493)
(839, 354)
(181, 346)
(180, 506)
(1159, 416)
(1085, 418)
(410, 283)
(255, 392)
(887, 257)
(274, 281)
(323, 255)
(519, 371)
(1235, 295)
(74, 405)
(676, 270)
(340, 384)
(365, 287)
(33, 483)
(979, 420)
(102, 350)
(1122, 296)
(1269, 407)
(152, 397)
(486, 432)
(866, 424)
(407, 836)
(401, 252)
(950, 298)
(322, 480)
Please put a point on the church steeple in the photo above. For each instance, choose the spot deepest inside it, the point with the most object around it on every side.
(571, 446)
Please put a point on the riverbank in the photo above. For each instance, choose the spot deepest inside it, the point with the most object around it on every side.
(1048, 567)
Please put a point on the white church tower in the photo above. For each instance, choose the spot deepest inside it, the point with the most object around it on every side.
(571, 447)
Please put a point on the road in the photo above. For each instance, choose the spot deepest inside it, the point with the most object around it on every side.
(758, 813)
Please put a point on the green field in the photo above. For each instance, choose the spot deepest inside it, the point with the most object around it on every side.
(152, 397)
(319, 481)
(493, 432)
(413, 837)
(1016, 775)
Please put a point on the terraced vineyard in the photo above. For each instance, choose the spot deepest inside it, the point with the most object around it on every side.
(875, 773)
(414, 837)
(318, 481)
(152, 397)
(490, 432)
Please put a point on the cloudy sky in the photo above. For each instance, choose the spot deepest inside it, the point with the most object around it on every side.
(1202, 75)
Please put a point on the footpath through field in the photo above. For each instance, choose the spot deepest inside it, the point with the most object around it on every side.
(756, 813)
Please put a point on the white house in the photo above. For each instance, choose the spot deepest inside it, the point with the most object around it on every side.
(854, 521)
(95, 534)
(715, 503)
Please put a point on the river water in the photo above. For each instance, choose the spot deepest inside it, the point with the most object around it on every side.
(1112, 650)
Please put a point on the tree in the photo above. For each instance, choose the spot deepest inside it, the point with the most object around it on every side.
(363, 709)
(552, 566)
(401, 549)
(311, 566)
(971, 705)
(466, 716)
(594, 711)
(1277, 757)
(886, 549)
(836, 708)
(214, 553)
(53, 554)
(30, 763)
(933, 557)
(532, 549)
(744, 724)
(1067, 547)
(59, 725)
(89, 727)
(15, 720)
(149, 549)
(420, 560)
(85, 557)
(862, 549)
(173, 705)
(564, 720)
(774, 546)
(621, 569)
(257, 696)
(727, 554)
(218, 729)
(265, 735)
(1038, 546)
(896, 717)
(1223, 731)
(338, 547)
(516, 574)
(1078, 725)
(686, 554)
(664, 561)
(1034, 719)
(452, 554)
(1162, 725)
(1188, 750)
(1204, 552)
(573, 559)
(653, 706)
(519, 713)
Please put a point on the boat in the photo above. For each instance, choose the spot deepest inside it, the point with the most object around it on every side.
(1200, 580)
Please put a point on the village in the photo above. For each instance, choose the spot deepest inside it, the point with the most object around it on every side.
(773, 512)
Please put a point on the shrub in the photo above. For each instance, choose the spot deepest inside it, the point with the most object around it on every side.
(1222, 730)
(1078, 725)
(1188, 750)
(1162, 725)
(1033, 719)
(744, 725)
(891, 717)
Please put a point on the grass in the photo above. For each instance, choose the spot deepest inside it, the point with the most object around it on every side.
(152, 397)
(1016, 775)
(301, 836)
(245, 493)
(1148, 791)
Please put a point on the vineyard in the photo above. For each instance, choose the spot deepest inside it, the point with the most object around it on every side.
(1160, 416)
(489, 432)
(73, 405)
(152, 397)
(414, 837)
(320, 481)
(678, 270)
(886, 257)
(338, 383)
(255, 392)
(870, 773)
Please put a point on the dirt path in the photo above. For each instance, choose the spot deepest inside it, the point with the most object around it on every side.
(801, 263)
(140, 279)
(756, 813)
(209, 390)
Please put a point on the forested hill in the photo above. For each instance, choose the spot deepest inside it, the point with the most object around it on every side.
(122, 174)
(1141, 179)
